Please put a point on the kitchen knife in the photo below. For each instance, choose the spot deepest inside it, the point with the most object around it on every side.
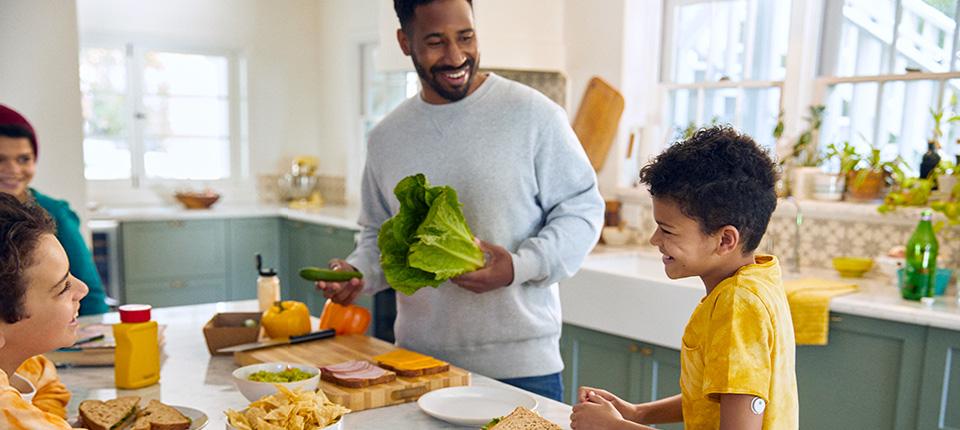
(317, 335)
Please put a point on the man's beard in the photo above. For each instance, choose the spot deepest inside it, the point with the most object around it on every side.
(432, 79)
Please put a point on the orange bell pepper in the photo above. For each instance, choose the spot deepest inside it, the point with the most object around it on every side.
(350, 319)
(285, 319)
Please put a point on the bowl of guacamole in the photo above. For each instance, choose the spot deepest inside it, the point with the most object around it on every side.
(258, 380)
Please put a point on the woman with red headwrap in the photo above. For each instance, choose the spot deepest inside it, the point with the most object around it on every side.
(18, 164)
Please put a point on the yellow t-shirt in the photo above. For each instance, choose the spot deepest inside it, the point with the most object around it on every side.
(46, 412)
(739, 340)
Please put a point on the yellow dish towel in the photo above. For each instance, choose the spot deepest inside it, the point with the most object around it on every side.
(810, 307)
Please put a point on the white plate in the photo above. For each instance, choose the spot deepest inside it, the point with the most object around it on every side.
(474, 406)
(198, 419)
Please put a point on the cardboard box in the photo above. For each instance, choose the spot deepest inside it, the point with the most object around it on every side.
(229, 329)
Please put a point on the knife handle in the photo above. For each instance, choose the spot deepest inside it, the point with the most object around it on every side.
(322, 334)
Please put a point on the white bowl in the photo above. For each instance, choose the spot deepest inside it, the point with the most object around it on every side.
(254, 390)
(335, 426)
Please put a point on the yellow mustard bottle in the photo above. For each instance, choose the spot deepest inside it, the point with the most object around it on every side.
(137, 355)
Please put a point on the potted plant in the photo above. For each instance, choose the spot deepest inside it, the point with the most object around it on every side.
(870, 176)
(804, 157)
(840, 160)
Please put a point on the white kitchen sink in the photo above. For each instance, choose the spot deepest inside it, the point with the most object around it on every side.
(628, 294)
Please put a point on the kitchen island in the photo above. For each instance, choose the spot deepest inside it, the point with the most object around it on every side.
(191, 377)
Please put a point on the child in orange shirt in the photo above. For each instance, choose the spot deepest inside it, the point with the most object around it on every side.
(39, 304)
(713, 195)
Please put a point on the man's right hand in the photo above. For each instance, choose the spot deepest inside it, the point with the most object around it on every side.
(343, 293)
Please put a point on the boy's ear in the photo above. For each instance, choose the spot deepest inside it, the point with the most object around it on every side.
(3, 339)
(729, 240)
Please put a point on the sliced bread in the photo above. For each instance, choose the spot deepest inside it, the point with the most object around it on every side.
(524, 419)
(158, 416)
(109, 415)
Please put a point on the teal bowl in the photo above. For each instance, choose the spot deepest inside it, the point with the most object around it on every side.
(941, 282)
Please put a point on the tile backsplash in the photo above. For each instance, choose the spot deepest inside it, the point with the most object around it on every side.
(551, 84)
(827, 230)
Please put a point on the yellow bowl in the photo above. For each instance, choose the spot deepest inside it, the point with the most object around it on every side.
(852, 267)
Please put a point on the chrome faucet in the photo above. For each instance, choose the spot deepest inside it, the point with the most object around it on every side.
(798, 221)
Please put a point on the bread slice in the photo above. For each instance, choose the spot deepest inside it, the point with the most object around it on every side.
(109, 415)
(388, 376)
(524, 419)
(158, 416)
(407, 373)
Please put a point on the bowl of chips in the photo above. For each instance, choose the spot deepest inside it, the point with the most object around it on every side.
(258, 380)
(289, 410)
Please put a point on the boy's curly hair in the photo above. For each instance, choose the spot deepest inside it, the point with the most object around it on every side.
(405, 10)
(21, 225)
(717, 177)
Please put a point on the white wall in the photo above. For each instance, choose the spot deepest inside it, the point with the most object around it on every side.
(38, 77)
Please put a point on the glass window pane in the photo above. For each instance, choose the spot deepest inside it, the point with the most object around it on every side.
(850, 115)
(187, 116)
(951, 130)
(866, 34)
(169, 73)
(730, 39)
(682, 112)
(106, 158)
(758, 116)
(905, 120)
(187, 158)
(924, 38)
(103, 70)
(104, 115)
(720, 106)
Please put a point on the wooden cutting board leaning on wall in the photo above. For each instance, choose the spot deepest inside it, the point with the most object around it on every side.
(338, 349)
(597, 120)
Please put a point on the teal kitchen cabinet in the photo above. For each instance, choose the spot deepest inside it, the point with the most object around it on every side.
(245, 238)
(635, 371)
(940, 394)
(314, 245)
(867, 377)
(167, 263)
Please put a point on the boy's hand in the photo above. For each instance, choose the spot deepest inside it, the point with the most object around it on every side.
(626, 409)
(343, 293)
(595, 413)
(496, 273)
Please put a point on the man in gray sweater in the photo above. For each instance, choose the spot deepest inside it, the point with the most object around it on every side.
(527, 188)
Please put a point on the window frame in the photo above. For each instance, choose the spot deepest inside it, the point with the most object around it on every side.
(134, 52)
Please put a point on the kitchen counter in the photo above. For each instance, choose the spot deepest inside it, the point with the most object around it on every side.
(333, 215)
(191, 377)
(624, 291)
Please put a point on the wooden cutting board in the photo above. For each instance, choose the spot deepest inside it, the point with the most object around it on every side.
(355, 347)
(597, 120)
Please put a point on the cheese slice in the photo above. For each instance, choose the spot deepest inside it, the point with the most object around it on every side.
(402, 359)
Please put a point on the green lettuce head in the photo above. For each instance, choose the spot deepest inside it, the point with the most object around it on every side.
(428, 240)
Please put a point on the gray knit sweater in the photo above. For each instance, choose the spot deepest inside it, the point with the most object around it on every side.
(525, 184)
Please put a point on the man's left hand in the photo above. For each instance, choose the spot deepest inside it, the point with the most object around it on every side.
(496, 273)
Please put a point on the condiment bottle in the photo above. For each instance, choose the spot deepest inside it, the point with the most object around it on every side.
(268, 286)
(137, 355)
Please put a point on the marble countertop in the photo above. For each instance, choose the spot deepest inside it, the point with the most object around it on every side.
(191, 377)
(659, 306)
(337, 216)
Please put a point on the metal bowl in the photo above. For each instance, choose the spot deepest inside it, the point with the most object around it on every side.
(293, 187)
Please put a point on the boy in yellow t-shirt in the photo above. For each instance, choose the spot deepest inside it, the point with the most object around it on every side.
(39, 304)
(713, 195)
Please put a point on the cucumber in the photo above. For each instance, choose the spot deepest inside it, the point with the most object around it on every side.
(327, 275)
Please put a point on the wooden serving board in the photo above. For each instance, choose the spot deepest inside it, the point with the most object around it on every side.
(338, 349)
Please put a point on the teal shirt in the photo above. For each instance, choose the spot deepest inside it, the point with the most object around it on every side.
(81, 259)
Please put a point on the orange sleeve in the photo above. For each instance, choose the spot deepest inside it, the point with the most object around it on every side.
(52, 396)
(18, 414)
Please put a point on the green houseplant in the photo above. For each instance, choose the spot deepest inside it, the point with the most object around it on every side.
(870, 176)
(801, 163)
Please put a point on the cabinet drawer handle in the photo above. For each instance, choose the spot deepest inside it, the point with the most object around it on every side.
(633, 347)
(646, 351)
(178, 284)
(175, 223)
(836, 319)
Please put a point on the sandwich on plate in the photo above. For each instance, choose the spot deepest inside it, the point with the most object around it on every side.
(521, 419)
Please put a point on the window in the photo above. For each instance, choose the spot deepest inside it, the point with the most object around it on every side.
(725, 62)
(382, 91)
(885, 64)
(158, 114)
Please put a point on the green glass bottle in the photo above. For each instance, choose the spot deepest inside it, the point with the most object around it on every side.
(919, 274)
